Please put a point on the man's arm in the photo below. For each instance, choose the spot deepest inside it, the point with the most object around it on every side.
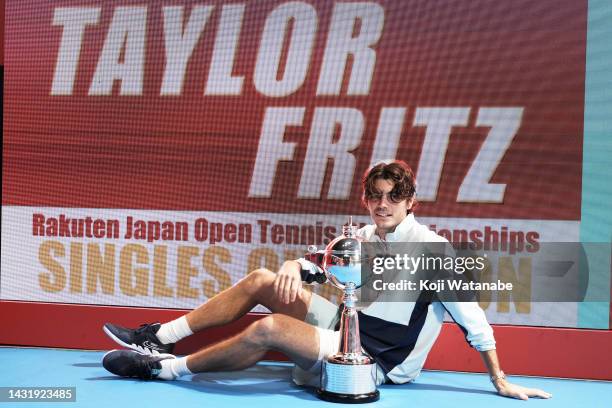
(503, 386)
(479, 334)
(292, 274)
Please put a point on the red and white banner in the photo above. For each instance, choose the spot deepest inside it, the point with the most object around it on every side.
(239, 113)
(178, 259)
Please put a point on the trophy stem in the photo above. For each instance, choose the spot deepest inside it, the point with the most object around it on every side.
(350, 341)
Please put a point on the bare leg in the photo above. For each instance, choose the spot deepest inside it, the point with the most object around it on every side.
(233, 303)
(296, 339)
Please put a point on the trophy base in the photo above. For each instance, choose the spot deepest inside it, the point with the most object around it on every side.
(348, 383)
(348, 398)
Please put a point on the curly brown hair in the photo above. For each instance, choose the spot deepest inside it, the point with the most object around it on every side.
(399, 173)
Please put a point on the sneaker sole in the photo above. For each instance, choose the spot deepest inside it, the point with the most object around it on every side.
(164, 356)
(160, 356)
(135, 347)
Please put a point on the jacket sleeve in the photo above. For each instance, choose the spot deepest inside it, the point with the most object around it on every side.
(473, 322)
(470, 317)
(311, 272)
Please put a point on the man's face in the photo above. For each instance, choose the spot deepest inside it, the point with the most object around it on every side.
(385, 212)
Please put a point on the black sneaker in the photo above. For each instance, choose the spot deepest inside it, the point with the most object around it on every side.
(142, 339)
(129, 363)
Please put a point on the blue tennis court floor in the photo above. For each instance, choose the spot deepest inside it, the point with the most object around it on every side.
(265, 385)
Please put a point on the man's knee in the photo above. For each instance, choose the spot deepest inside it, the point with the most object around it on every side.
(259, 278)
(264, 330)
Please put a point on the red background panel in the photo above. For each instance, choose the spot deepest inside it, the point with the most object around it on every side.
(550, 352)
(197, 152)
(2, 32)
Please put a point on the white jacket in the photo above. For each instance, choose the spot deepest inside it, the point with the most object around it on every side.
(399, 335)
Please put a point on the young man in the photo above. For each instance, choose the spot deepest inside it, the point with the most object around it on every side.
(302, 323)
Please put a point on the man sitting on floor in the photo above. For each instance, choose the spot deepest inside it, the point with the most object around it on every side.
(302, 324)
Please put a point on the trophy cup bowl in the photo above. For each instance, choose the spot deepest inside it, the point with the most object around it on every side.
(348, 376)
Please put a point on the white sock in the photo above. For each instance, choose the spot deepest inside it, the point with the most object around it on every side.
(174, 331)
(173, 368)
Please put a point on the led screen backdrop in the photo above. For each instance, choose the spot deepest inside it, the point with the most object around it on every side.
(154, 153)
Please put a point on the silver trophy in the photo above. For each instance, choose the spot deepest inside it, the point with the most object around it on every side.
(348, 376)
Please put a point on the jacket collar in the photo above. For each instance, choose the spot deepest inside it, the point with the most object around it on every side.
(399, 234)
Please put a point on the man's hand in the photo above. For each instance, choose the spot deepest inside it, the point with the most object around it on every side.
(288, 283)
(507, 389)
(503, 386)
